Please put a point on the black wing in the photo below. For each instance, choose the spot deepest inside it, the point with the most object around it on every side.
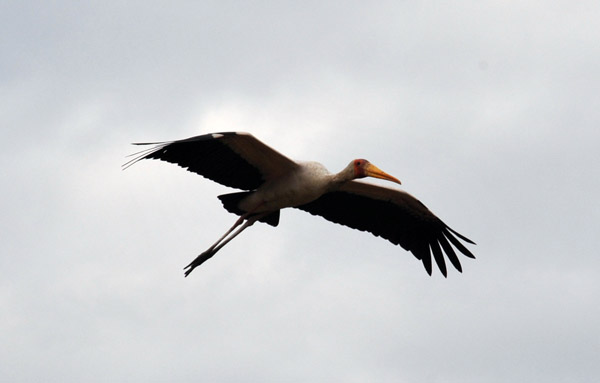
(233, 159)
(394, 215)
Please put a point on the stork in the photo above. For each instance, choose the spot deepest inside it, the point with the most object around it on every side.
(272, 181)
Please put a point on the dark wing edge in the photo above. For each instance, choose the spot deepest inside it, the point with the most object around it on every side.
(393, 215)
(234, 159)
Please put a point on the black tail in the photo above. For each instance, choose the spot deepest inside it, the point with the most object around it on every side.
(231, 201)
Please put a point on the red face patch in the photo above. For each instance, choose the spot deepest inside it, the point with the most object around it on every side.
(359, 168)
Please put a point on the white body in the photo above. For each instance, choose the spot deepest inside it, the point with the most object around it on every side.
(310, 181)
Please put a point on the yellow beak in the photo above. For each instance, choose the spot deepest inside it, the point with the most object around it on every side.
(373, 171)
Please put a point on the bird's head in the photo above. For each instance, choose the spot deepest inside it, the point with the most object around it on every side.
(363, 168)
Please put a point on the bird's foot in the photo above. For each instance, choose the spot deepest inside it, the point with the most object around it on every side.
(198, 261)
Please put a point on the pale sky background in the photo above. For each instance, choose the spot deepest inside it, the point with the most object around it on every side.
(487, 111)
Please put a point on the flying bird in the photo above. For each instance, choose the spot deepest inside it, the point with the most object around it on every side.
(272, 181)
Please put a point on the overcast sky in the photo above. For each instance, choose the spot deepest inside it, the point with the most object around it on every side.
(487, 111)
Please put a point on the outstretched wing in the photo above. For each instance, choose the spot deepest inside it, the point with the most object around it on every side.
(394, 215)
(234, 159)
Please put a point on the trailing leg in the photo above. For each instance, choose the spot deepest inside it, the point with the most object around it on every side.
(200, 259)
